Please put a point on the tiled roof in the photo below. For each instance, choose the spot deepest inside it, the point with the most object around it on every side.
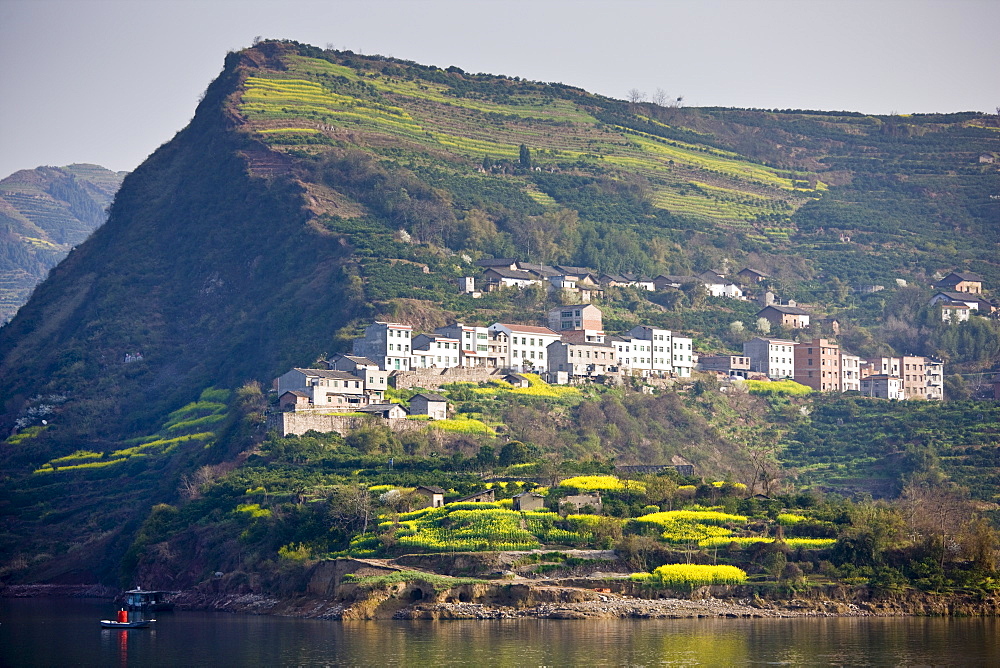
(429, 397)
(790, 310)
(512, 273)
(529, 329)
(325, 373)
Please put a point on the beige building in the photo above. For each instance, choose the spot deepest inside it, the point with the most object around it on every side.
(790, 317)
(818, 365)
(576, 317)
(583, 360)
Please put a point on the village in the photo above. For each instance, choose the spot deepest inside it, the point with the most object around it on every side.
(571, 348)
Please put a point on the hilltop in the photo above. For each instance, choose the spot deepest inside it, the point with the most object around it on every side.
(315, 191)
(44, 212)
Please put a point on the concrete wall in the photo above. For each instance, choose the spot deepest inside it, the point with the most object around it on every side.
(300, 423)
(432, 379)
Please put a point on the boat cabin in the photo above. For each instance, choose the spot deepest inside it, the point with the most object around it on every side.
(143, 599)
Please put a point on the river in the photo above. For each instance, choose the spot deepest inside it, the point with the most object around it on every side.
(65, 632)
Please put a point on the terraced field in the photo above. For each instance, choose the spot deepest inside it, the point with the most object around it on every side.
(316, 102)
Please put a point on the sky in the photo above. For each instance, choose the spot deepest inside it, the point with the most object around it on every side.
(108, 81)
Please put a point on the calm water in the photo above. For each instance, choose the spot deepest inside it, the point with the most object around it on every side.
(57, 632)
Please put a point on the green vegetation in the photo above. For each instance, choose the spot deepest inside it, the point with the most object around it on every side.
(315, 191)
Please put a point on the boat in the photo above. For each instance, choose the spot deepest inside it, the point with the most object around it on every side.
(146, 599)
(111, 624)
(123, 622)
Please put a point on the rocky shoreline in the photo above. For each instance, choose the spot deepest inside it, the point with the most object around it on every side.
(563, 603)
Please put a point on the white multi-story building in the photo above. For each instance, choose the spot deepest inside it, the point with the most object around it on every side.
(527, 344)
(654, 347)
(634, 355)
(474, 343)
(435, 351)
(850, 373)
(883, 386)
(935, 379)
(683, 356)
(774, 357)
(388, 344)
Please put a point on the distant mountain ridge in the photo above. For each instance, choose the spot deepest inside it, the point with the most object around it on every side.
(44, 212)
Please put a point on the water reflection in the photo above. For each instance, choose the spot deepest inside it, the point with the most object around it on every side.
(48, 633)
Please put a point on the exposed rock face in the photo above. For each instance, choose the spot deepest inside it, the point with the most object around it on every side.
(328, 595)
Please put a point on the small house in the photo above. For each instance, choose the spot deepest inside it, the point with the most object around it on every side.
(749, 275)
(388, 411)
(578, 501)
(433, 496)
(433, 405)
(516, 379)
(526, 501)
(294, 400)
(961, 281)
(791, 317)
(485, 496)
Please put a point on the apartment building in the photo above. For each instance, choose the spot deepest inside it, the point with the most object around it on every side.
(818, 365)
(435, 351)
(654, 347)
(882, 386)
(576, 317)
(683, 357)
(528, 345)
(472, 342)
(737, 366)
(388, 344)
(773, 357)
(850, 373)
(922, 377)
(583, 360)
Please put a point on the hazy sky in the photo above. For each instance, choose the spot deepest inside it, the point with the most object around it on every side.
(108, 81)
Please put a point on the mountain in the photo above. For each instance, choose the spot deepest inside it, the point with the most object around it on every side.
(241, 246)
(44, 212)
(316, 190)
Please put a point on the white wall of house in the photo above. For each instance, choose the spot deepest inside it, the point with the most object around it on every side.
(435, 352)
(684, 358)
(774, 357)
(528, 345)
(388, 344)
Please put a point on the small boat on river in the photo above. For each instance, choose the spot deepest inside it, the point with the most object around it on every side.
(123, 622)
(111, 624)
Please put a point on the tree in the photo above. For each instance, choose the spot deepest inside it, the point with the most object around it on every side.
(635, 95)
(514, 452)
(525, 159)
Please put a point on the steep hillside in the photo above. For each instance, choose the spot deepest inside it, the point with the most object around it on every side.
(315, 190)
(44, 212)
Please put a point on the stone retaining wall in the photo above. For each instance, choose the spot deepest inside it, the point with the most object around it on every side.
(432, 379)
(300, 422)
